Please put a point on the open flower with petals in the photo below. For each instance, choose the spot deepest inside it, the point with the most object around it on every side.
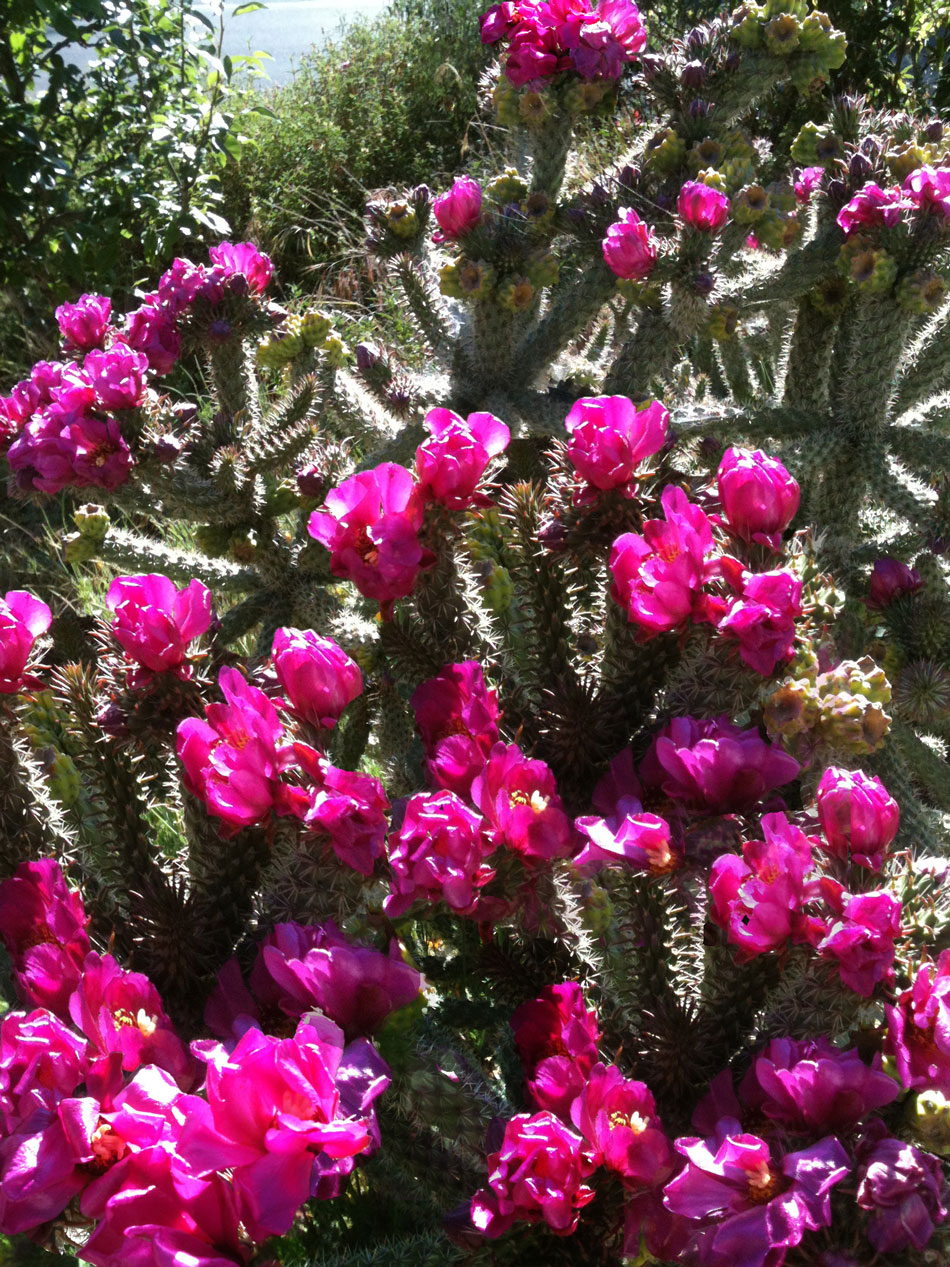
(610, 436)
(349, 807)
(629, 248)
(370, 525)
(618, 1118)
(860, 935)
(748, 1205)
(151, 330)
(762, 615)
(450, 465)
(117, 376)
(519, 799)
(904, 1189)
(62, 447)
(918, 1028)
(43, 926)
(658, 577)
(23, 618)
(42, 1061)
(155, 621)
(928, 189)
(537, 1175)
(437, 855)
(84, 324)
(871, 206)
(457, 718)
(702, 207)
(556, 1036)
(243, 258)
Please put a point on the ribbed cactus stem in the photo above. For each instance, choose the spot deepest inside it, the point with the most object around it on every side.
(31, 821)
(647, 354)
(232, 377)
(549, 146)
(571, 307)
(809, 358)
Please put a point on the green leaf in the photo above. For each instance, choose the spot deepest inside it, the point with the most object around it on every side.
(251, 7)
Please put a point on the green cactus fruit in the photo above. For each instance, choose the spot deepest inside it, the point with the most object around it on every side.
(723, 322)
(516, 294)
(707, 153)
(534, 108)
(713, 178)
(314, 327)
(792, 707)
(505, 101)
(816, 28)
(804, 148)
(64, 779)
(830, 296)
(665, 151)
(922, 292)
(92, 521)
(212, 539)
(542, 269)
(904, 159)
(336, 352)
(507, 188)
(79, 549)
(498, 590)
(782, 34)
(281, 498)
(750, 204)
(928, 1116)
(401, 220)
(747, 28)
(873, 271)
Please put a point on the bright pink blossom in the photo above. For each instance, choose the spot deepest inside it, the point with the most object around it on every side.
(871, 206)
(318, 677)
(918, 1028)
(155, 621)
(348, 807)
(451, 464)
(859, 818)
(808, 180)
(556, 1037)
(62, 448)
(84, 323)
(890, 580)
(151, 330)
(457, 718)
(762, 615)
(117, 376)
(860, 935)
(659, 576)
(438, 855)
(630, 248)
(42, 1061)
(459, 209)
(928, 188)
(621, 834)
(234, 760)
(243, 258)
(759, 497)
(179, 286)
(904, 1189)
(23, 619)
(618, 1118)
(702, 207)
(713, 766)
(610, 436)
(370, 525)
(43, 925)
(518, 797)
(537, 1175)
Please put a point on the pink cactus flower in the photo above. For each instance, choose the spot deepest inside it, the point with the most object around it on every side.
(860, 935)
(459, 209)
(43, 926)
(121, 1011)
(151, 330)
(904, 1189)
(538, 1175)
(624, 835)
(275, 1114)
(891, 580)
(871, 206)
(702, 207)
(457, 717)
(42, 1061)
(154, 621)
(617, 1117)
(317, 676)
(519, 799)
(438, 855)
(234, 760)
(762, 616)
(659, 576)
(630, 248)
(370, 525)
(179, 286)
(808, 180)
(245, 259)
(859, 819)
(117, 376)
(23, 619)
(714, 766)
(928, 189)
(498, 22)
(610, 436)
(349, 808)
(450, 466)
(759, 497)
(758, 898)
(41, 1164)
(84, 323)
(61, 448)
(918, 1028)
(556, 1036)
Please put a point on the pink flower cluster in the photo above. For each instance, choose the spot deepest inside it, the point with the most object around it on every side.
(548, 37)
(926, 191)
(23, 619)
(371, 524)
(101, 1103)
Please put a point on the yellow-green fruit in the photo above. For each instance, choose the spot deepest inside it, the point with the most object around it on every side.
(723, 322)
(922, 292)
(712, 178)
(498, 590)
(281, 499)
(707, 153)
(873, 271)
(401, 220)
(816, 28)
(64, 780)
(92, 521)
(748, 31)
(336, 352)
(271, 353)
(750, 204)
(666, 151)
(782, 34)
(505, 98)
(79, 549)
(805, 146)
(314, 327)
(534, 108)
(586, 96)
(792, 708)
(928, 1116)
(507, 188)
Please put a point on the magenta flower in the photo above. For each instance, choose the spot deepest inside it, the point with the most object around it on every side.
(243, 258)
(860, 935)
(762, 616)
(702, 207)
(23, 619)
(233, 761)
(871, 206)
(611, 436)
(813, 1086)
(459, 209)
(903, 1188)
(759, 497)
(533, 55)
(658, 577)
(556, 1037)
(151, 330)
(61, 448)
(621, 834)
(618, 1119)
(758, 898)
(457, 718)
(891, 580)
(275, 1116)
(808, 180)
(918, 1028)
(317, 675)
(498, 22)
(450, 466)
(154, 621)
(438, 855)
(537, 1175)
(179, 286)
(41, 1164)
(630, 247)
(748, 1205)
(43, 926)
(117, 376)
(714, 767)
(84, 323)
(122, 1012)
(859, 818)
(42, 1061)
(519, 799)
(350, 808)
(928, 189)
(370, 525)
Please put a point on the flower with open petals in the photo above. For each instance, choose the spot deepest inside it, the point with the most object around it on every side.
(761, 616)
(918, 1028)
(318, 677)
(117, 376)
(518, 797)
(903, 1188)
(610, 436)
(860, 935)
(151, 330)
(23, 618)
(630, 248)
(556, 1036)
(618, 1118)
(928, 189)
(155, 621)
(43, 926)
(450, 465)
(457, 718)
(84, 323)
(243, 258)
(438, 854)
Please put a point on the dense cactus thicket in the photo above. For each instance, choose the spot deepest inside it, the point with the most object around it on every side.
(497, 812)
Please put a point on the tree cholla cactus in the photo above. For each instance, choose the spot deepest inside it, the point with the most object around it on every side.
(496, 813)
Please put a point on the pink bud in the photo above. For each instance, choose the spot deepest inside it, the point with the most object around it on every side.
(318, 676)
(702, 207)
(629, 247)
(459, 209)
(759, 496)
(859, 818)
(891, 580)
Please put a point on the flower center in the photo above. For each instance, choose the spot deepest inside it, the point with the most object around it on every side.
(537, 802)
(366, 549)
(39, 935)
(635, 1122)
(145, 1024)
(107, 1148)
(764, 1183)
